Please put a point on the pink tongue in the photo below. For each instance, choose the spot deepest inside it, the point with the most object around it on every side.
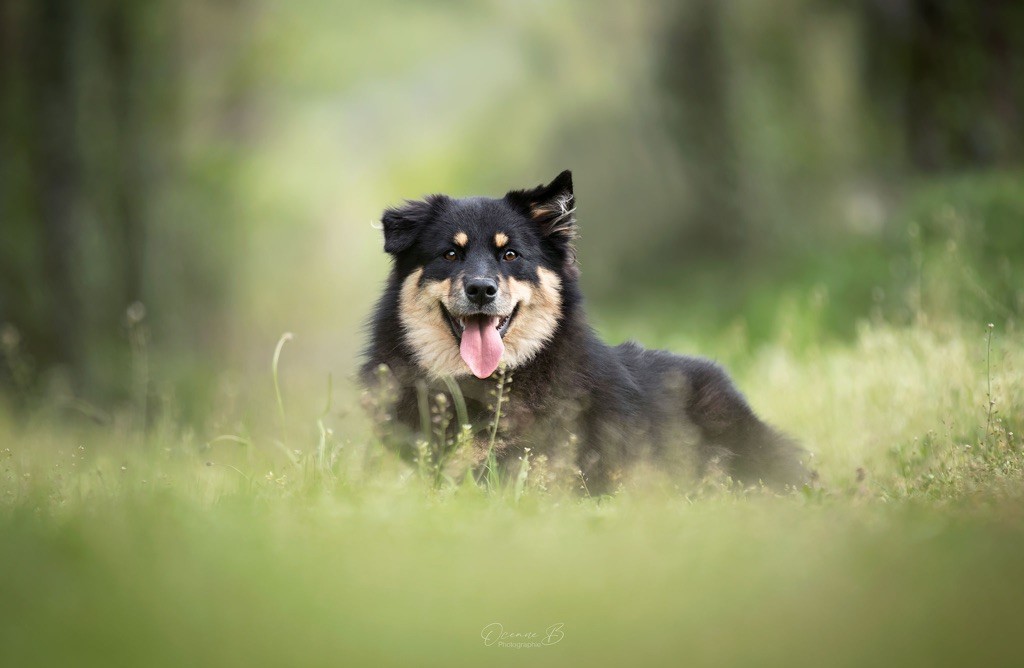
(481, 345)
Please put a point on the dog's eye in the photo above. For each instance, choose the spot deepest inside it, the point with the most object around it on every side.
(450, 255)
(509, 255)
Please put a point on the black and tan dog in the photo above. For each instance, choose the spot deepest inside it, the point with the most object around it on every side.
(479, 283)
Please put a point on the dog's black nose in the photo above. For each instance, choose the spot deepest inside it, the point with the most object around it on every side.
(481, 291)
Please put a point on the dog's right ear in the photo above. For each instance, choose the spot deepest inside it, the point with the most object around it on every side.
(403, 223)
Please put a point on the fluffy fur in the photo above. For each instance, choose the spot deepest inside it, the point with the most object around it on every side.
(596, 410)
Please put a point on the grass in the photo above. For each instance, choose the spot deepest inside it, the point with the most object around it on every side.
(121, 548)
(280, 533)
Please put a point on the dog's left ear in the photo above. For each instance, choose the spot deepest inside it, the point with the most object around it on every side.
(402, 223)
(552, 206)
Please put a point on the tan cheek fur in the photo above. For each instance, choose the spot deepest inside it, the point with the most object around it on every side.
(431, 341)
(537, 319)
(425, 329)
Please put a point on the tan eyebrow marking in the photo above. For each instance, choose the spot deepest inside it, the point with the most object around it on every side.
(461, 239)
(500, 239)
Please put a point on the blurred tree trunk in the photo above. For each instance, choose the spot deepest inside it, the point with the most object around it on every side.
(951, 74)
(88, 93)
(122, 49)
(699, 111)
(56, 168)
(41, 178)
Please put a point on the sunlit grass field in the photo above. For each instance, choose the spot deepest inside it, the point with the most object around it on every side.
(296, 541)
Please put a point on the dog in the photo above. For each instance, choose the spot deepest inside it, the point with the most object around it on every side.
(483, 292)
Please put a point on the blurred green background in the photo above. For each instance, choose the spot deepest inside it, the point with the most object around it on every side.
(825, 196)
(221, 167)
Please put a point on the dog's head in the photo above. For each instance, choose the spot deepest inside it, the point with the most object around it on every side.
(481, 279)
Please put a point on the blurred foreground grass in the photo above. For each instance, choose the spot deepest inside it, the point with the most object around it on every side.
(123, 549)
